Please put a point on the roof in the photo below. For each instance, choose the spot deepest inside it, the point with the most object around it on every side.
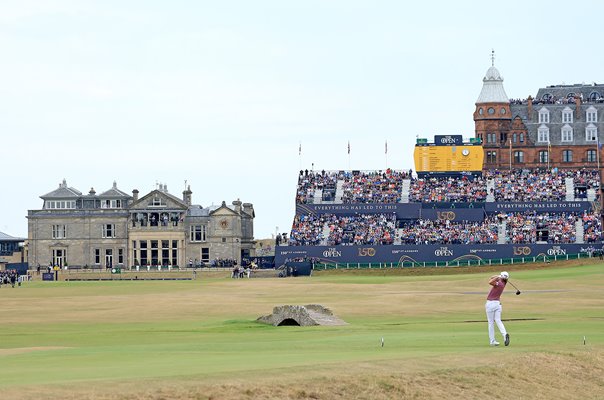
(492, 88)
(114, 192)
(63, 192)
(587, 92)
(8, 238)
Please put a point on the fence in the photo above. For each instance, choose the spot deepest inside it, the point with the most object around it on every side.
(455, 263)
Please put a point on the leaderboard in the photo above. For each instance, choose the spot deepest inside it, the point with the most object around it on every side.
(448, 153)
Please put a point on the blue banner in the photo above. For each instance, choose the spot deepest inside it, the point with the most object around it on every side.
(402, 210)
(424, 253)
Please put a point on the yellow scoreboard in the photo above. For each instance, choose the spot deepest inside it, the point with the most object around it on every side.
(430, 157)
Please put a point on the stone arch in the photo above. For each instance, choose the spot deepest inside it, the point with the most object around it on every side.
(289, 322)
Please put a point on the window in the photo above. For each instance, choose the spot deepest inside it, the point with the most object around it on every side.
(591, 133)
(205, 254)
(543, 134)
(491, 138)
(157, 202)
(522, 138)
(120, 256)
(108, 231)
(543, 156)
(97, 256)
(198, 233)
(116, 203)
(567, 133)
(491, 156)
(594, 96)
(60, 204)
(591, 115)
(544, 116)
(591, 156)
(59, 231)
(518, 157)
(567, 116)
(567, 156)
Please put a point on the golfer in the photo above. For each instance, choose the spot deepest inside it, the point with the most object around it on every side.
(493, 307)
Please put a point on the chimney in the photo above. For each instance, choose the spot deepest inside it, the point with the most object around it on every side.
(530, 108)
(237, 205)
(135, 195)
(186, 196)
(248, 208)
(578, 109)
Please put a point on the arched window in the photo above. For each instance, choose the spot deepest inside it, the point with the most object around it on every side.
(594, 96)
(491, 157)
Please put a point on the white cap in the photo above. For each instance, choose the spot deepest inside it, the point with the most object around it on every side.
(504, 275)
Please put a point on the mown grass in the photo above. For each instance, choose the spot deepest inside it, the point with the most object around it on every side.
(199, 339)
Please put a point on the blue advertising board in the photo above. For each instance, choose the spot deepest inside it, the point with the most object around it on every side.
(424, 253)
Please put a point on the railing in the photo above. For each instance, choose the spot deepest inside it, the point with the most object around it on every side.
(456, 263)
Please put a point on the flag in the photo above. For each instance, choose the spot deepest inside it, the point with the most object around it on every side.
(386, 147)
(349, 147)
(300, 149)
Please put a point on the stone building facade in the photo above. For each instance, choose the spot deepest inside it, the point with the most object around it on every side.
(117, 229)
(558, 128)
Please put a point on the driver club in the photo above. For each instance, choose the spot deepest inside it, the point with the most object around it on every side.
(517, 290)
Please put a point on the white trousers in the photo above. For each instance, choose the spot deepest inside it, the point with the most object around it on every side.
(493, 309)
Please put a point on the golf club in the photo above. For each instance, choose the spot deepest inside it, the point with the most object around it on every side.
(517, 290)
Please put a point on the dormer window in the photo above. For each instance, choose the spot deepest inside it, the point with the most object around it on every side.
(60, 204)
(567, 116)
(543, 134)
(591, 133)
(591, 115)
(567, 133)
(544, 116)
(115, 203)
(594, 96)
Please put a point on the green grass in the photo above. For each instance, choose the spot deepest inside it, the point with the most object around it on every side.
(68, 334)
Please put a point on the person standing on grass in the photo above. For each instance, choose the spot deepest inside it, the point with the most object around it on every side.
(493, 308)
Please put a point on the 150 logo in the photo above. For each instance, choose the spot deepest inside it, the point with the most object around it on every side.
(445, 215)
(366, 252)
(522, 251)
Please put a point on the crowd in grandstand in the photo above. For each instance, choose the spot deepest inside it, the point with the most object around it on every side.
(448, 232)
(448, 190)
(387, 186)
(384, 229)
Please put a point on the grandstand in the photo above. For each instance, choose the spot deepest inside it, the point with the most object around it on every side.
(393, 217)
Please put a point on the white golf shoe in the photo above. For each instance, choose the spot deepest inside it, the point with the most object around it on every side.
(494, 343)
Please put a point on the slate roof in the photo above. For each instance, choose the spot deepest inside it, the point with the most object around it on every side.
(63, 192)
(114, 192)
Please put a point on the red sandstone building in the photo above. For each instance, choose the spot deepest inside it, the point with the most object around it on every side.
(558, 128)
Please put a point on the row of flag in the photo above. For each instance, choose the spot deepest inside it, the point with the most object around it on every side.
(385, 148)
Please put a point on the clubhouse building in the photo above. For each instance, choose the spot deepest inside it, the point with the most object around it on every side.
(115, 229)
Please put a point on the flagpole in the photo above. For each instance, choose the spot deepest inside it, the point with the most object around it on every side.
(510, 153)
(349, 156)
(300, 154)
(386, 152)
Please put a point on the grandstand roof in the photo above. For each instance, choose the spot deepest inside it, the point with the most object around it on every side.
(8, 238)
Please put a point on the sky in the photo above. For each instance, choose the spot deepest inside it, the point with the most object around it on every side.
(236, 97)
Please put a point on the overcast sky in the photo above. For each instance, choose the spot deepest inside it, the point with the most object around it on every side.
(222, 94)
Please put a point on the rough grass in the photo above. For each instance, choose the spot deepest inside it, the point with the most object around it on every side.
(198, 339)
